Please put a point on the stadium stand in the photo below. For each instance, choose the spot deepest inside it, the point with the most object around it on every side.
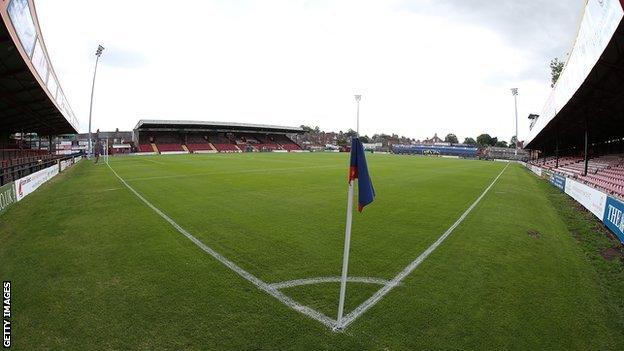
(198, 142)
(199, 147)
(18, 167)
(145, 148)
(32, 101)
(286, 143)
(603, 172)
(227, 147)
(169, 147)
(579, 132)
(197, 136)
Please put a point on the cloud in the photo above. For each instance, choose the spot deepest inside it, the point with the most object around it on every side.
(123, 58)
(423, 66)
(541, 29)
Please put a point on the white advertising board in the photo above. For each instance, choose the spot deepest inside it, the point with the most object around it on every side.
(31, 182)
(65, 164)
(534, 169)
(590, 198)
(537, 170)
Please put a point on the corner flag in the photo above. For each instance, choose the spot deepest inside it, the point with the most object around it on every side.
(359, 170)
(366, 194)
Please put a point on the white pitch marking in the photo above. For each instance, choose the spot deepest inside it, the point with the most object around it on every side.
(320, 280)
(312, 313)
(348, 319)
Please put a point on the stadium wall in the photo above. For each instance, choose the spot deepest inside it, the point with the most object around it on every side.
(608, 209)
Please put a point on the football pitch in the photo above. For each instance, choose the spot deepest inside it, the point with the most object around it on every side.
(244, 251)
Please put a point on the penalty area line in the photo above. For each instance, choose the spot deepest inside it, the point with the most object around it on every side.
(348, 319)
(310, 312)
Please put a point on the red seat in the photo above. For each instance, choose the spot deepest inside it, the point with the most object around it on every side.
(145, 148)
(169, 147)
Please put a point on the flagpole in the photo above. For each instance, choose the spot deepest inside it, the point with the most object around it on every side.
(357, 128)
(345, 255)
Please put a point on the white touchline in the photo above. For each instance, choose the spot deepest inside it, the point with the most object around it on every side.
(320, 280)
(358, 311)
(329, 322)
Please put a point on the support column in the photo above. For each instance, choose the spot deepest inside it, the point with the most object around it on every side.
(557, 150)
(586, 157)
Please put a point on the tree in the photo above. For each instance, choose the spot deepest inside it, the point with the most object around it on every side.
(486, 139)
(380, 138)
(501, 143)
(451, 138)
(470, 141)
(351, 133)
(365, 139)
(556, 67)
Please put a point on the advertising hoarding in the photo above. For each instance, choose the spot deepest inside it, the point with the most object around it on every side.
(19, 12)
(63, 165)
(536, 170)
(31, 182)
(590, 198)
(558, 180)
(614, 217)
(7, 196)
(40, 62)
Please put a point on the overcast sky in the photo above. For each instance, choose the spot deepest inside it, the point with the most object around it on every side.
(422, 66)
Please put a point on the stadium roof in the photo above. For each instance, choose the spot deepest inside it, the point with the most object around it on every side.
(590, 90)
(31, 99)
(154, 124)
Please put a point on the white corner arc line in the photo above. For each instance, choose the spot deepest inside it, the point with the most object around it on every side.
(321, 280)
(358, 311)
(310, 312)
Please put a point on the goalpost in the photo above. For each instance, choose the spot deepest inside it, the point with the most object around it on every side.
(103, 144)
(105, 151)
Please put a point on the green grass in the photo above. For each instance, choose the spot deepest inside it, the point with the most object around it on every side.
(93, 268)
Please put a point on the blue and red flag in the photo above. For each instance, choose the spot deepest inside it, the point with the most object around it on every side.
(359, 170)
